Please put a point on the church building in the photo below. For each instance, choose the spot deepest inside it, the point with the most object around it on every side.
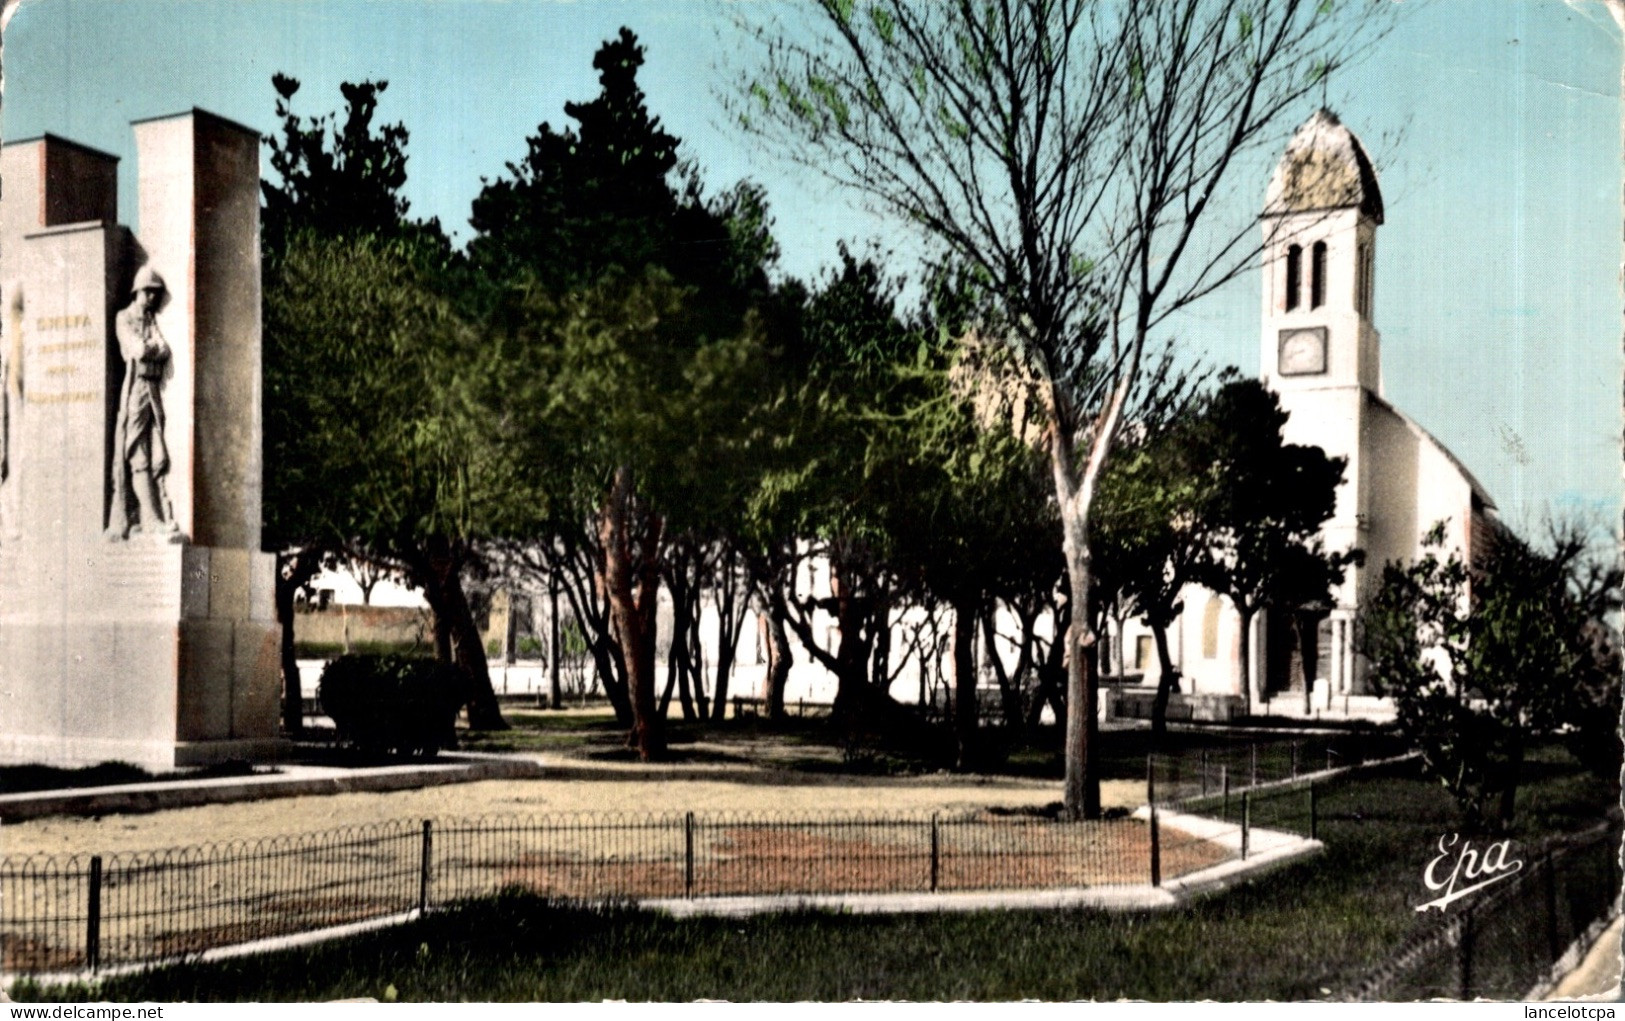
(1321, 353)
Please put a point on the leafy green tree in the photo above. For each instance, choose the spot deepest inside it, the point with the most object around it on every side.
(629, 299)
(975, 527)
(338, 180)
(379, 444)
(345, 274)
(639, 426)
(1264, 522)
(1482, 660)
(1069, 153)
(1153, 531)
(828, 484)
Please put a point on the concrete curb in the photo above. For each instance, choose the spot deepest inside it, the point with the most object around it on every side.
(259, 946)
(291, 782)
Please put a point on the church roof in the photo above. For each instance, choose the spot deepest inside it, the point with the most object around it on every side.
(1324, 167)
(1426, 437)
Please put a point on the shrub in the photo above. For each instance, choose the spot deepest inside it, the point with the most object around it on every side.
(388, 703)
(1482, 659)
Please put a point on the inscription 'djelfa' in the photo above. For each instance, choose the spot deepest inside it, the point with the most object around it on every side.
(47, 324)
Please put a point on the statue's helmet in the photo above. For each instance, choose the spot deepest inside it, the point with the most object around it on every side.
(147, 279)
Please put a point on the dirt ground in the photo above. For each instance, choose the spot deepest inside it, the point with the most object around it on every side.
(576, 786)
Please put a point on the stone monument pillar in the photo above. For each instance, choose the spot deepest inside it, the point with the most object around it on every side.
(136, 618)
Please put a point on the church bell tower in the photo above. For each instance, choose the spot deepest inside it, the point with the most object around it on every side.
(1320, 237)
(1319, 349)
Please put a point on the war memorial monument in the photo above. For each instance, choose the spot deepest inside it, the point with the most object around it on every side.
(136, 618)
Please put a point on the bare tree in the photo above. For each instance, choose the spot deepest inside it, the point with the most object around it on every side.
(1070, 154)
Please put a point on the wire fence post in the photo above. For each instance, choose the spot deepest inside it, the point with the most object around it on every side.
(425, 858)
(1246, 822)
(688, 854)
(1204, 772)
(936, 852)
(93, 915)
(1252, 750)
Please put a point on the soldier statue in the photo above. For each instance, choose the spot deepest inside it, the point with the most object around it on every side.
(140, 455)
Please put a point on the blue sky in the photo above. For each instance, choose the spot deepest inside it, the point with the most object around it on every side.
(1495, 125)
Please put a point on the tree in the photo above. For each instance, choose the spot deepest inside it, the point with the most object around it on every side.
(1482, 660)
(825, 486)
(1069, 154)
(338, 249)
(338, 181)
(376, 444)
(1154, 528)
(1264, 520)
(630, 300)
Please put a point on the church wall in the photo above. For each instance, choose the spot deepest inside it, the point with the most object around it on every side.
(1212, 639)
(1394, 480)
(1334, 421)
(1442, 494)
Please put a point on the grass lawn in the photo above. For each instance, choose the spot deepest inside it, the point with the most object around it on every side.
(1307, 931)
(812, 745)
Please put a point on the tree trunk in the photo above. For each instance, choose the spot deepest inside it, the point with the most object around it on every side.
(727, 640)
(852, 655)
(1246, 612)
(439, 568)
(778, 655)
(555, 692)
(679, 664)
(731, 605)
(631, 586)
(1165, 683)
(442, 631)
(1010, 681)
(1051, 675)
(1081, 791)
(1509, 786)
(880, 655)
(293, 570)
(965, 705)
(1307, 626)
(1118, 660)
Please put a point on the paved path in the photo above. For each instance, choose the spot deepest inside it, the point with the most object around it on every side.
(291, 780)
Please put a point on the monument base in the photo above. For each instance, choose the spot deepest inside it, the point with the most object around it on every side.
(143, 651)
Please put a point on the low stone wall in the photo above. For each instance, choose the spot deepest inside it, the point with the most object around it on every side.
(1133, 703)
(364, 625)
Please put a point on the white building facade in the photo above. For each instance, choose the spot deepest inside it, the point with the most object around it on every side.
(1320, 352)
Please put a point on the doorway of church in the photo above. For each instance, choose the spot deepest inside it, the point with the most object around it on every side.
(1297, 645)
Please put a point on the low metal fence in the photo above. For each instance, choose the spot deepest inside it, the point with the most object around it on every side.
(1504, 942)
(85, 912)
(1249, 763)
(88, 912)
